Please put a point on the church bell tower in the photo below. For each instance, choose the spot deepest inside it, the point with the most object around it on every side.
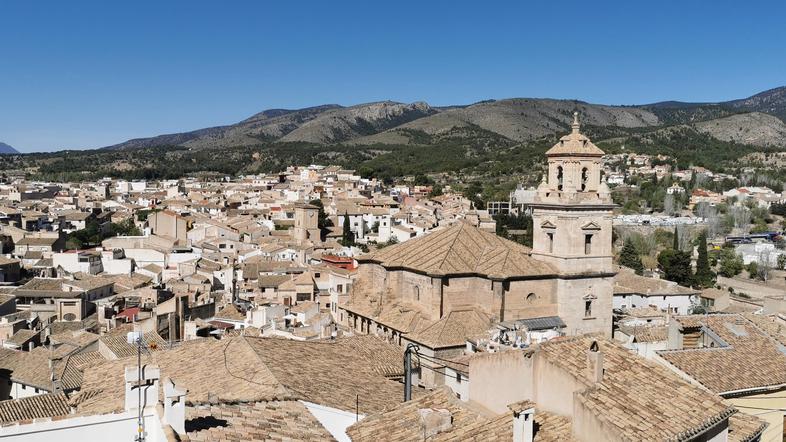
(572, 223)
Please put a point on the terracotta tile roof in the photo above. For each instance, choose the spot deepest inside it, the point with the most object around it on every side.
(404, 422)
(230, 312)
(638, 398)
(27, 367)
(453, 329)
(726, 368)
(224, 371)
(33, 407)
(646, 333)
(117, 344)
(574, 143)
(268, 421)
(548, 427)
(627, 281)
(461, 249)
(745, 428)
(336, 373)
(79, 338)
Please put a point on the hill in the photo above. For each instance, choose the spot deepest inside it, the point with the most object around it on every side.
(5, 148)
(515, 119)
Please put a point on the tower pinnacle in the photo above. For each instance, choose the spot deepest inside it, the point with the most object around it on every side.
(575, 124)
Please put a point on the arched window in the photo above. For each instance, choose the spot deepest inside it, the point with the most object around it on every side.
(559, 177)
(584, 177)
(531, 298)
(417, 293)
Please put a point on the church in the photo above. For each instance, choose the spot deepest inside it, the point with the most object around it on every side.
(439, 289)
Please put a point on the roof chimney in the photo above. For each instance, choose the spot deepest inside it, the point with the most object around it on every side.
(594, 363)
(175, 406)
(435, 421)
(149, 386)
(523, 421)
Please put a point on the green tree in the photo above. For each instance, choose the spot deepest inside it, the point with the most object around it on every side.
(753, 269)
(676, 266)
(729, 263)
(323, 222)
(630, 258)
(347, 237)
(704, 274)
(676, 240)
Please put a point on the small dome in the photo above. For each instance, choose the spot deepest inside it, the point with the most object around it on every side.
(575, 143)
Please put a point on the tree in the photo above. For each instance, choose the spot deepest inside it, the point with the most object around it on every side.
(630, 258)
(704, 275)
(753, 269)
(676, 266)
(347, 237)
(676, 244)
(782, 261)
(323, 222)
(730, 264)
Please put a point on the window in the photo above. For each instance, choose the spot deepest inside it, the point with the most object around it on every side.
(458, 377)
(584, 175)
(340, 288)
(417, 293)
(551, 241)
(587, 244)
(559, 177)
(587, 308)
(531, 297)
(316, 275)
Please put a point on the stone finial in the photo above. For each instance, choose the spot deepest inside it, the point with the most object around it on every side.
(576, 125)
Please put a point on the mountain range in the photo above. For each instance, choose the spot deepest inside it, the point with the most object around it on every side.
(756, 120)
(5, 148)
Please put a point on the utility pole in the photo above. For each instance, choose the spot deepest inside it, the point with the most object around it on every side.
(408, 370)
(137, 338)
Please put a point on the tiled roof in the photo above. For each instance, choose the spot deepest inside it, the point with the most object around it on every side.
(574, 143)
(728, 368)
(639, 399)
(223, 371)
(461, 249)
(27, 367)
(548, 427)
(744, 427)
(230, 312)
(404, 422)
(453, 329)
(33, 407)
(627, 282)
(336, 373)
(261, 421)
(117, 344)
(646, 333)
(78, 338)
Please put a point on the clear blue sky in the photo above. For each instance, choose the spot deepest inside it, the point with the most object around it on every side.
(79, 74)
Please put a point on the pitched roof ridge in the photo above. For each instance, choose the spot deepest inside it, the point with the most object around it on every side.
(452, 243)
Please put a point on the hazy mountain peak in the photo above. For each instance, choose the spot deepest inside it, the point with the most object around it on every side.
(5, 148)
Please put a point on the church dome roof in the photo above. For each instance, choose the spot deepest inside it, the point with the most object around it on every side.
(575, 143)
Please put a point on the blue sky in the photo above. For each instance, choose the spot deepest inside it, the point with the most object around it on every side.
(85, 74)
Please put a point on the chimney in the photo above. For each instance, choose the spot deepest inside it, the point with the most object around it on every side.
(594, 363)
(523, 421)
(149, 386)
(435, 421)
(175, 406)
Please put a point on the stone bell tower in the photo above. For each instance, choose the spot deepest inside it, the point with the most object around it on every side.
(572, 222)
